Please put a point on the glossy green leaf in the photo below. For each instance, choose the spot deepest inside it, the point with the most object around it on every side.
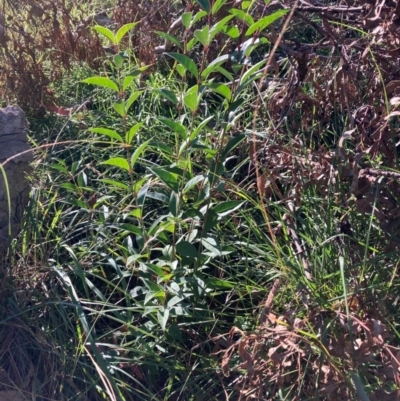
(109, 132)
(118, 60)
(187, 250)
(210, 221)
(204, 4)
(198, 129)
(225, 73)
(175, 126)
(115, 183)
(242, 15)
(181, 70)
(193, 182)
(217, 5)
(168, 178)
(250, 74)
(105, 32)
(163, 318)
(191, 98)
(186, 18)
(123, 31)
(192, 42)
(102, 81)
(214, 65)
(219, 27)
(232, 144)
(186, 62)
(233, 32)
(203, 35)
(118, 162)
(168, 95)
(221, 88)
(212, 245)
(127, 81)
(131, 99)
(174, 204)
(261, 24)
(132, 132)
(119, 107)
(215, 283)
(225, 208)
(246, 4)
(170, 38)
(131, 228)
(198, 17)
(138, 151)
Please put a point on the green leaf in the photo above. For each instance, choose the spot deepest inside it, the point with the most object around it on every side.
(212, 245)
(131, 99)
(186, 250)
(204, 4)
(225, 208)
(175, 300)
(132, 132)
(186, 18)
(174, 204)
(232, 31)
(225, 73)
(131, 228)
(210, 221)
(138, 152)
(181, 70)
(118, 162)
(246, 5)
(163, 318)
(175, 126)
(170, 38)
(202, 35)
(220, 88)
(118, 60)
(105, 32)
(191, 44)
(109, 132)
(214, 65)
(191, 98)
(242, 15)
(169, 179)
(191, 183)
(215, 283)
(197, 130)
(160, 146)
(115, 183)
(168, 95)
(154, 268)
(233, 142)
(261, 24)
(219, 27)
(186, 62)
(247, 76)
(102, 81)
(127, 81)
(217, 5)
(119, 107)
(198, 17)
(123, 31)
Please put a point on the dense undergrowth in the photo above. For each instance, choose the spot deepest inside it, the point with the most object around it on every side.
(214, 207)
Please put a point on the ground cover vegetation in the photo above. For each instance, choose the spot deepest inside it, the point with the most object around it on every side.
(214, 210)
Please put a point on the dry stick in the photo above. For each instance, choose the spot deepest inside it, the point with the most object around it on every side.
(268, 302)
